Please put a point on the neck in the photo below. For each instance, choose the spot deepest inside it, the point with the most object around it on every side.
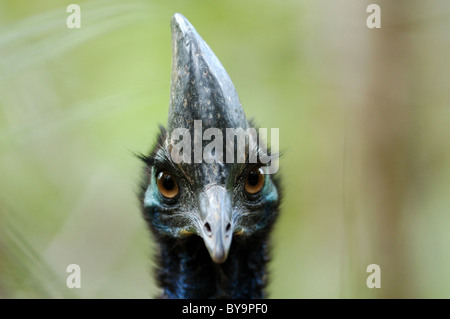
(187, 271)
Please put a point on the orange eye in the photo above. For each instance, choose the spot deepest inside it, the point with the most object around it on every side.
(167, 185)
(255, 181)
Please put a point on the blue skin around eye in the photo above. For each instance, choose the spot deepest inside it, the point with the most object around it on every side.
(262, 216)
(155, 212)
(259, 217)
(152, 203)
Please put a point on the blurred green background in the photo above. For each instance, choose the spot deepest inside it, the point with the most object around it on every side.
(364, 118)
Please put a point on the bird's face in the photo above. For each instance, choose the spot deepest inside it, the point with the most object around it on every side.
(216, 201)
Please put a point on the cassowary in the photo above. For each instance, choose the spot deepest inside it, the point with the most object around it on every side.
(210, 219)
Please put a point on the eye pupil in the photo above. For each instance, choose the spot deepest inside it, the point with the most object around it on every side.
(253, 178)
(168, 182)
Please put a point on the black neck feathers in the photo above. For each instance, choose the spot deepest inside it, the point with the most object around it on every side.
(187, 271)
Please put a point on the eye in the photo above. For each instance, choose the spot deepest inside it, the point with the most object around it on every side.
(255, 181)
(167, 185)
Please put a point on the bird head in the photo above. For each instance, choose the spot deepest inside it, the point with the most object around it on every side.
(194, 184)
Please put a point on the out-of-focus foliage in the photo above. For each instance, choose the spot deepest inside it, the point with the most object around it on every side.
(364, 118)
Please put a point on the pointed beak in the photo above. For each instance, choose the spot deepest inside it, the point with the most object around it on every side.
(216, 228)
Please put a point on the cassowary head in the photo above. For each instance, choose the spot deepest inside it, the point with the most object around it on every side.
(196, 190)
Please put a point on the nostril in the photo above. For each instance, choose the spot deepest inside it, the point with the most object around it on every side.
(228, 227)
(208, 228)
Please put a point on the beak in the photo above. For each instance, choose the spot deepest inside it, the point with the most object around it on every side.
(216, 230)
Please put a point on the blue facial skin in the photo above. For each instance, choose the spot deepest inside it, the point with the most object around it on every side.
(163, 220)
(250, 215)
